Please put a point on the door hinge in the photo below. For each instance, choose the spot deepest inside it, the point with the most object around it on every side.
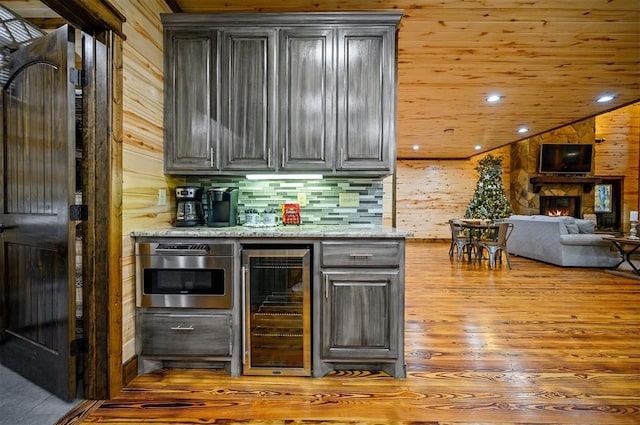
(76, 77)
(78, 213)
(79, 346)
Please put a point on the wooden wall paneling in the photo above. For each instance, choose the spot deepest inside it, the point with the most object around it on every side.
(620, 153)
(142, 124)
(430, 192)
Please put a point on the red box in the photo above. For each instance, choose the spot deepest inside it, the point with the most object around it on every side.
(290, 213)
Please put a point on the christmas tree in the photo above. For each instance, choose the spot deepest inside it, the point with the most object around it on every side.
(489, 198)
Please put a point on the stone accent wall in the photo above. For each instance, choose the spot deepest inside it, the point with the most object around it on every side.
(524, 165)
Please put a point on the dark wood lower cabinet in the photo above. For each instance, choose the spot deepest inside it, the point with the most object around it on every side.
(337, 304)
(362, 305)
(360, 316)
(183, 336)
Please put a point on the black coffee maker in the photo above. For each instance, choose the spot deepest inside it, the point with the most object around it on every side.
(223, 206)
(189, 210)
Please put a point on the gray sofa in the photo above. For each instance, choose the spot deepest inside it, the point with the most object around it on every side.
(563, 241)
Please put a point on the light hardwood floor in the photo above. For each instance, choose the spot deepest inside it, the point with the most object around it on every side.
(537, 344)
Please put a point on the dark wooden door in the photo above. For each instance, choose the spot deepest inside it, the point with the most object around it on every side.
(38, 187)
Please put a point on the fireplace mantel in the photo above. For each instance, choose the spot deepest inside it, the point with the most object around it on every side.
(586, 182)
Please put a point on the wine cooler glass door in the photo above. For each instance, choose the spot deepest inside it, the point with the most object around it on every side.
(277, 312)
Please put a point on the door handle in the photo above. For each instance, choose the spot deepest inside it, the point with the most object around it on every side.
(1, 228)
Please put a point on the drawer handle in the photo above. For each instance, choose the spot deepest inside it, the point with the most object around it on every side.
(360, 255)
(180, 328)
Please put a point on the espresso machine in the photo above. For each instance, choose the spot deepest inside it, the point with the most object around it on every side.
(222, 204)
(189, 211)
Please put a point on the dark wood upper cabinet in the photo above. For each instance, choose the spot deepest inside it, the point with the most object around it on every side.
(307, 99)
(191, 119)
(366, 98)
(280, 92)
(248, 101)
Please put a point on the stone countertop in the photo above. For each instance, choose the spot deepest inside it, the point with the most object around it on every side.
(289, 231)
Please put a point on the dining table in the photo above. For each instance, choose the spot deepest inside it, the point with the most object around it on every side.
(477, 230)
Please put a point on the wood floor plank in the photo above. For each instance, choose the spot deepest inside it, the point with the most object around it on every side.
(537, 344)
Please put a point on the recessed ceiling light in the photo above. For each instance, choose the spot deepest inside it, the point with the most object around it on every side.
(477, 147)
(416, 147)
(493, 98)
(523, 130)
(605, 98)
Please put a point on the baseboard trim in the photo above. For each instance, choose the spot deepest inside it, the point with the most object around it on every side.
(129, 370)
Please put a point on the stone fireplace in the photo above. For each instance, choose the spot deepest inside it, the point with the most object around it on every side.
(561, 206)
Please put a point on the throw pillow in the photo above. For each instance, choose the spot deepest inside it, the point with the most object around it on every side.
(572, 229)
(586, 226)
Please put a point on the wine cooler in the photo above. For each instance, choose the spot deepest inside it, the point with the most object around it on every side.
(277, 311)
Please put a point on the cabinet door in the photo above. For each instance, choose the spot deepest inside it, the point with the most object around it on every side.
(360, 315)
(191, 97)
(366, 99)
(249, 101)
(307, 99)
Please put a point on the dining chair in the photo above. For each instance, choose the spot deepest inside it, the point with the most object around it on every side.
(460, 242)
(496, 243)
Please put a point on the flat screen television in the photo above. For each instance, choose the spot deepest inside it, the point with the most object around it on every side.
(566, 158)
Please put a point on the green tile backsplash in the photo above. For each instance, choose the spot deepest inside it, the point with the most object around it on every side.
(322, 197)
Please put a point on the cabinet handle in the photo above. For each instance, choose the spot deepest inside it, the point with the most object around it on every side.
(282, 160)
(269, 158)
(212, 157)
(244, 317)
(180, 328)
(361, 255)
(341, 157)
(326, 286)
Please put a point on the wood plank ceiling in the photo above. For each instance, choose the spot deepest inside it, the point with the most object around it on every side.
(549, 59)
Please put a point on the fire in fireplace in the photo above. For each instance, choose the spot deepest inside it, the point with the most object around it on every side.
(560, 206)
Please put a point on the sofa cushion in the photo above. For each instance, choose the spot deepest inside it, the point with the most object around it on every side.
(586, 226)
(572, 229)
(584, 239)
